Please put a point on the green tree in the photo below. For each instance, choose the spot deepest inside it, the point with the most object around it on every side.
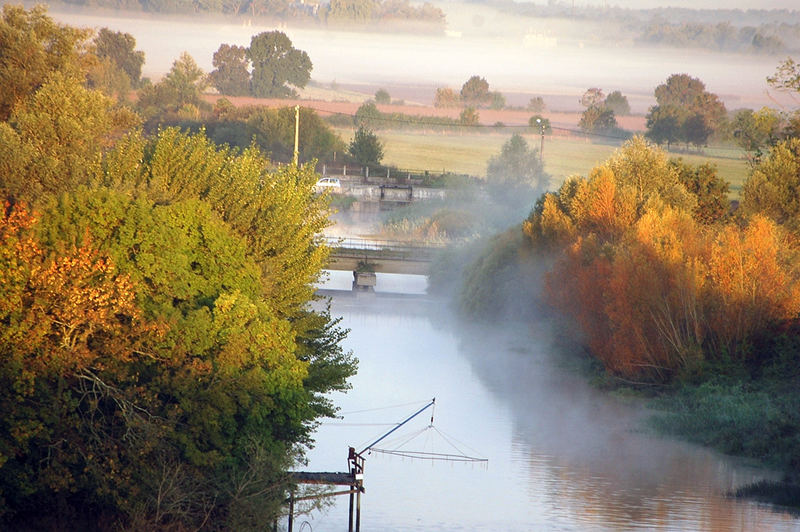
(276, 65)
(536, 104)
(273, 131)
(516, 174)
(618, 103)
(786, 76)
(55, 140)
(711, 191)
(120, 47)
(598, 119)
(446, 97)
(664, 124)
(157, 337)
(230, 379)
(32, 47)
(755, 131)
(351, 10)
(382, 97)
(773, 188)
(475, 92)
(498, 101)
(109, 79)
(685, 98)
(696, 130)
(179, 92)
(645, 170)
(369, 116)
(592, 97)
(365, 147)
(186, 80)
(231, 74)
(469, 117)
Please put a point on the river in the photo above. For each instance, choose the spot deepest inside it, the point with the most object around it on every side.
(561, 454)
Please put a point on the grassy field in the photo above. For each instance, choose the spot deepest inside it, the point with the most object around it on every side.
(469, 153)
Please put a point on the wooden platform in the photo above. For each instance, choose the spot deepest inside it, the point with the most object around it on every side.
(338, 479)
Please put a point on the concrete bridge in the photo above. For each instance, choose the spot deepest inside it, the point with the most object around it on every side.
(366, 257)
(389, 193)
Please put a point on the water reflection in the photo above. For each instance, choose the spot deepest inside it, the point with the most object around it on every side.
(563, 456)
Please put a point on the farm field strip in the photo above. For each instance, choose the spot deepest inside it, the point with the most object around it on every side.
(563, 156)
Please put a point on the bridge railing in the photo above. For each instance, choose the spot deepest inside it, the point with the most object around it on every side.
(387, 249)
(376, 244)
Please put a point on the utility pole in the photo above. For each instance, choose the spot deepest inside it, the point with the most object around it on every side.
(541, 143)
(296, 134)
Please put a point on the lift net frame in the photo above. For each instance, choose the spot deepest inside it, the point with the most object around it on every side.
(397, 446)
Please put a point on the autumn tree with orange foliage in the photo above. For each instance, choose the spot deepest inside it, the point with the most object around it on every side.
(655, 288)
(70, 320)
(160, 365)
(755, 274)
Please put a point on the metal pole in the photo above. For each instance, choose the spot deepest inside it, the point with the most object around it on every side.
(409, 418)
(541, 146)
(296, 133)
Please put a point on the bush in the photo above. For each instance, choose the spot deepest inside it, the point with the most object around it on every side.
(755, 421)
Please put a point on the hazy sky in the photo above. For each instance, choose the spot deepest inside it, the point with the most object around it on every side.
(696, 4)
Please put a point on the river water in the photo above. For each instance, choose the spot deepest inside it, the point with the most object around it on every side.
(561, 455)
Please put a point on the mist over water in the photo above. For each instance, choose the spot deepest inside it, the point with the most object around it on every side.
(562, 455)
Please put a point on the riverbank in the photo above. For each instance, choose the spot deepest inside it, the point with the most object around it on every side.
(562, 454)
(748, 408)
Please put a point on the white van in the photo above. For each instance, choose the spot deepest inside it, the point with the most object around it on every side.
(331, 184)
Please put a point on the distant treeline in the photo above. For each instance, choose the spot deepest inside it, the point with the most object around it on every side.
(370, 116)
(767, 38)
(336, 12)
(754, 30)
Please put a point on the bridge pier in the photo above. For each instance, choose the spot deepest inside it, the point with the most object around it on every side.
(364, 281)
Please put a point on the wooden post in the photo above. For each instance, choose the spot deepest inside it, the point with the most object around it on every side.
(324, 170)
(350, 513)
(358, 509)
(344, 171)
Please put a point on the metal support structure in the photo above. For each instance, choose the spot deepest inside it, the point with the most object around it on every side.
(409, 418)
(354, 478)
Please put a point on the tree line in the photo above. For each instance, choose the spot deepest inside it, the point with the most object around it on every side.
(671, 287)
(160, 365)
(762, 31)
(399, 13)
(723, 36)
